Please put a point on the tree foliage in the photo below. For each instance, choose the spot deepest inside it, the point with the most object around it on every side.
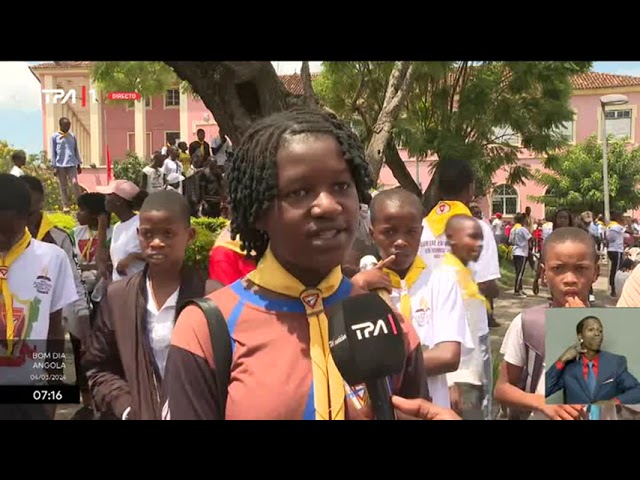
(463, 109)
(147, 78)
(576, 180)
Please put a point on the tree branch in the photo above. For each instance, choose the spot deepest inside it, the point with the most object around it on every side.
(400, 83)
(399, 168)
(307, 85)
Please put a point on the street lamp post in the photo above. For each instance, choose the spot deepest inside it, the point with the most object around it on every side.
(605, 101)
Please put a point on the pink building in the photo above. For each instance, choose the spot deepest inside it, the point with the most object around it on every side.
(145, 126)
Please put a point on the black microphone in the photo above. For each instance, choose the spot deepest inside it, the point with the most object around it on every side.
(367, 346)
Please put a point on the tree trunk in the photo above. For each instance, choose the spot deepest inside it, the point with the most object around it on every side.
(236, 93)
(399, 169)
(307, 85)
(431, 196)
(400, 82)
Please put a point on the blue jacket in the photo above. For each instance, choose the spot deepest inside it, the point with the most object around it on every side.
(613, 381)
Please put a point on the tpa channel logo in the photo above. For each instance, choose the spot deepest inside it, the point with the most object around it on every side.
(58, 95)
(373, 329)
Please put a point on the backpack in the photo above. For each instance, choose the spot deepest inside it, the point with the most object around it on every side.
(221, 344)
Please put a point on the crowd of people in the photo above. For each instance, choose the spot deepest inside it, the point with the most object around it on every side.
(303, 218)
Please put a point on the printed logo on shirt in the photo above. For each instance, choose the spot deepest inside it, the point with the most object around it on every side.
(443, 208)
(24, 313)
(43, 283)
(420, 314)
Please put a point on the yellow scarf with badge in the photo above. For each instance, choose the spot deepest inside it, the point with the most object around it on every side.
(466, 282)
(62, 134)
(414, 272)
(328, 385)
(5, 263)
(45, 226)
(516, 227)
(225, 240)
(442, 212)
(612, 223)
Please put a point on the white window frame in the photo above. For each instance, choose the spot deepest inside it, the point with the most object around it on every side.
(496, 195)
(165, 96)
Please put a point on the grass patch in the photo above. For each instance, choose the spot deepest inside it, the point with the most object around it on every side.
(508, 275)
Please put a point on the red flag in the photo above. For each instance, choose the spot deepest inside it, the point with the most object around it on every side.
(109, 166)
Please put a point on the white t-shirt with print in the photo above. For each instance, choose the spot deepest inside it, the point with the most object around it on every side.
(515, 352)
(124, 241)
(520, 241)
(615, 238)
(41, 282)
(155, 178)
(439, 315)
(432, 248)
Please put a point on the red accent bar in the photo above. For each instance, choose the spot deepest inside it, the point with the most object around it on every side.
(84, 96)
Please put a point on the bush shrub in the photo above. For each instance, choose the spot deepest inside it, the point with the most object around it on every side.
(129, 169)
(207, 230)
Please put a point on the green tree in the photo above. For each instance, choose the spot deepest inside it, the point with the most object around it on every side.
(575, 180)
(470, 110)
(5, 156)
(238, 93)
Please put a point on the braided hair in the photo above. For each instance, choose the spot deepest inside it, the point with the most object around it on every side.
(252, 173)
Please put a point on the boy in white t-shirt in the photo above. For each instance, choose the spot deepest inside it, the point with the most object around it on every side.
(153, 175)
(434, 309)
(36, 282)
(570, 266)
(19, 160)
(520, 238)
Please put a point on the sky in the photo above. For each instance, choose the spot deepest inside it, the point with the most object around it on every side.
(20, 110)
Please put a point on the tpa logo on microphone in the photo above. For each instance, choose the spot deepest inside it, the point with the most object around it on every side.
(371, 329)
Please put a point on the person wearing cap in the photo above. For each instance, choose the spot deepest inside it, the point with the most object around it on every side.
(172, 165)
(174, 182)
(123, 199)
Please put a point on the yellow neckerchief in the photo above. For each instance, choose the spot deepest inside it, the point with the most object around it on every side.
(62, 134)
(414, 272)
(45, 226)
(612, 223)
(202, 147)
(12, 255)
(467, 284)
(548, 224)
(328, 386)
(516, 227)
(224, 240)
(442, 212)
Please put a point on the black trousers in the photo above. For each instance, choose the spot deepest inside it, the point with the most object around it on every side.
(519, 263)
(615, 260)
